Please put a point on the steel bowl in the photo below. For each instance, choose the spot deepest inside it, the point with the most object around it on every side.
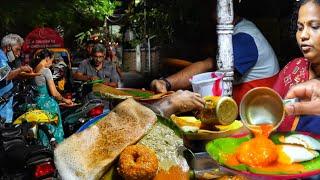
(262, 105)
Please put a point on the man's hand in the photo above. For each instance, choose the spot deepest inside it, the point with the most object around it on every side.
(19, 71)
(92, 78)
(26, 68)
(159, 86)
(184, 101)
(179, 102)
(309, 95)
(112, 84)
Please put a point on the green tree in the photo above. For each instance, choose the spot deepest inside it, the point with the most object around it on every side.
(167, 19)
(19, 16)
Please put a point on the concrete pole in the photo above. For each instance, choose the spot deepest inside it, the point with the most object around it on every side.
(138, 58)
(225, 50)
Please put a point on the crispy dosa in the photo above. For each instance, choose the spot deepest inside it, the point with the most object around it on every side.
(109, 92)
(88, 154)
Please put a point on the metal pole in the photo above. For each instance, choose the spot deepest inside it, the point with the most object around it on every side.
(149, 52)
(145, 17)
(225, 50)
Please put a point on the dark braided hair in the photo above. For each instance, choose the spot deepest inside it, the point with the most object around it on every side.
(294, 18)
(40, 56)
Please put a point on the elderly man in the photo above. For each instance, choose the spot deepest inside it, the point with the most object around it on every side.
(10, 50)
(97, 67)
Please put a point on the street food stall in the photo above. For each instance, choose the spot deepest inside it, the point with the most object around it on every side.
(136, 141)
(152, 146)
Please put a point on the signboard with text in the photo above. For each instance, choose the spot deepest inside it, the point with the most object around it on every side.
(42, 38)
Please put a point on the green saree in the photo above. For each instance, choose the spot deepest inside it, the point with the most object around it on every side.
(46, 102)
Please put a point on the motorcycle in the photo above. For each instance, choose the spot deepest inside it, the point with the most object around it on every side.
(20, 159)
(23, 161)
(37, 120)
(23, 98)
(25, 110)
(86, 108)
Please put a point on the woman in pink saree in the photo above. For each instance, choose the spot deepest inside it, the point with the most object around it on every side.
(303, 69)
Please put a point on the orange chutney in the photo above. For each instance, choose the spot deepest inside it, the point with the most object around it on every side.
(261, 153)
(175, 172)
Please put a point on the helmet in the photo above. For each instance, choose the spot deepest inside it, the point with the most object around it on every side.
(59, 70)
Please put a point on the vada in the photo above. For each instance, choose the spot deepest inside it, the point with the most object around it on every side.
(138, 162)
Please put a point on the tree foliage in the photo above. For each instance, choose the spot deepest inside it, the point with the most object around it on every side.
(167, 19)
(74, 16)
(95, 8)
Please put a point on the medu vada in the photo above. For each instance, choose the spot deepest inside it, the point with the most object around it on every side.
(138, 162)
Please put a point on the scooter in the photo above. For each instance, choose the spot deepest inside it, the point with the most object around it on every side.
(20, 159)
(81, 115)
(23, 98)
(37, 120)
(26, 112)
(87, 107)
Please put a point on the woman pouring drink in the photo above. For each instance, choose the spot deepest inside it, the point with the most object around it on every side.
(305, 68)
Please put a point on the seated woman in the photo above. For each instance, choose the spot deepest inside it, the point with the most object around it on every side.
(47, 92)
(305, 68)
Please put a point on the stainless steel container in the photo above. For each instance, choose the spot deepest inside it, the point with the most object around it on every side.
(262, 105)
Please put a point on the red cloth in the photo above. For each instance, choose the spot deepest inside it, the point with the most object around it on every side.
(295, 72)
(241, 89)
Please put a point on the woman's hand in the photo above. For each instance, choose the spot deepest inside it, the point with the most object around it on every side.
(67, 101)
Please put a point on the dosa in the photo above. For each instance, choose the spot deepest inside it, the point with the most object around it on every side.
(89, 154)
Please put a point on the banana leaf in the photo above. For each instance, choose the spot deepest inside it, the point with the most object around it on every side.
(218, 148)
(169, 123)
(137, 93)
